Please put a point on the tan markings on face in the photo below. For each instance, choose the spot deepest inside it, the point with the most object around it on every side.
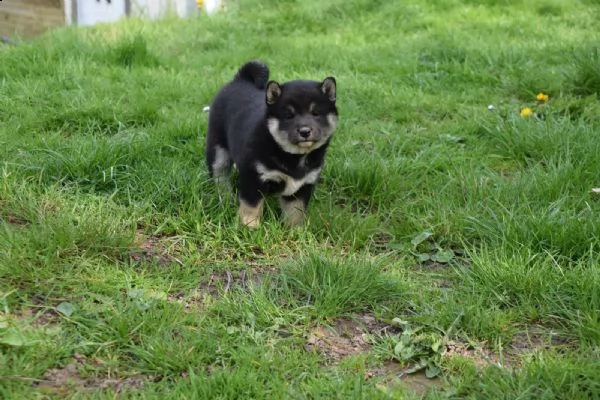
(249, 215)
(282, 139)
(332, 121)
(306, 144)
(293, 212)
(311, 107)
(291, 109)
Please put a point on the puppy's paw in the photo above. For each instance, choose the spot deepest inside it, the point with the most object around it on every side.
(250, 222)
(294, 212)
(250, 215)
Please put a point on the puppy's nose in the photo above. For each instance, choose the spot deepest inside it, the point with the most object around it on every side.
(304, 131)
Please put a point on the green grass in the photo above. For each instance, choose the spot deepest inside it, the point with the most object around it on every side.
(438, 224)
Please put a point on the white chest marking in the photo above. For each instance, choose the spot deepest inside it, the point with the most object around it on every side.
(291, 185)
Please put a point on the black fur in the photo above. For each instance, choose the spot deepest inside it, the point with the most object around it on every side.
(255, 72)
(242, 119)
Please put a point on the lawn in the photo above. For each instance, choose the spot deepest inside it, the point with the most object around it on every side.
(452, 249)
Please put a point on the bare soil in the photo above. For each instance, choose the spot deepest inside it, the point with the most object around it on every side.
(64, 380)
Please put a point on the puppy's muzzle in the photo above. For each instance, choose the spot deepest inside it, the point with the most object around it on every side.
(304, 132)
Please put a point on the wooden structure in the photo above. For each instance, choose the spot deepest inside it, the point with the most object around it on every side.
(30, 17)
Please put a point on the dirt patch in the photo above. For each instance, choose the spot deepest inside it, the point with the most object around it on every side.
(361, 207)
(191, 302)
(380, 242)
(20, 218)
(524, 343)
(330, 342)
(45, 318)
(14, 220)
(419, 384)
(220, 283)
(479, 355)
(439, 274)
(160, 250)
(534, 339)
(434, 266)
(61, 381)
(392, 374)
(37, 315)
(346, 337)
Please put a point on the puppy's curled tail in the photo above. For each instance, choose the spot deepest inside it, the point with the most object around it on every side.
(255, 72)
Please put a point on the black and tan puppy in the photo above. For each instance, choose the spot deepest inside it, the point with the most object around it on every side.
(276, 135)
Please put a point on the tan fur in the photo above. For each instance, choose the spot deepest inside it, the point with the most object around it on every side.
(221, 167)
(273, 92)
(329, 88)
(291, 185)
(250, 216)
(293, 212)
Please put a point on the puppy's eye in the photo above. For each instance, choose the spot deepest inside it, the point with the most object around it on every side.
(315, 112)
(288, 114)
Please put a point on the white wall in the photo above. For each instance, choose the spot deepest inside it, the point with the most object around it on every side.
(90, 12)
(160, 8)
(68, 6)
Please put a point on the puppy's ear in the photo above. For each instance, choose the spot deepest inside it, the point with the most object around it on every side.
(328, 87)
(273, 92)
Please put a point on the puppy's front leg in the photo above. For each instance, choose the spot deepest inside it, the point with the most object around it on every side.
(294, 207)
(251, 199)
(250, 213)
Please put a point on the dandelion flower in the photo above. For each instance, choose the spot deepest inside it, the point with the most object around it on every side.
(526, 112)
(542, 97)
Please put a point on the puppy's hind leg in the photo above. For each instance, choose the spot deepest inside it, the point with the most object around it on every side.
(294, 210)
(219, 165)
(294, 207)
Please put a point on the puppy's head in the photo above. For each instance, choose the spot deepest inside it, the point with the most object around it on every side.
(301, 115)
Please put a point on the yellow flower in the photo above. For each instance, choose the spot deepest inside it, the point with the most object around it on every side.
(526, 112)
(542, 97)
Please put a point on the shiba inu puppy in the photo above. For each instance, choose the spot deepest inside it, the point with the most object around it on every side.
(275, 134)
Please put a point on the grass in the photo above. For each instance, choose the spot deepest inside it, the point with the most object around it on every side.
(442, 235)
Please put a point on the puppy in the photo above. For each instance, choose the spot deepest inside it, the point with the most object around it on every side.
(275, 134)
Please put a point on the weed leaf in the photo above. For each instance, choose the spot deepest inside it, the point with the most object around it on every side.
(432, 371)
(423, 257)
(443, 256)
(135, 293)
(65, 308)
(420, 238)
(12, 337)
